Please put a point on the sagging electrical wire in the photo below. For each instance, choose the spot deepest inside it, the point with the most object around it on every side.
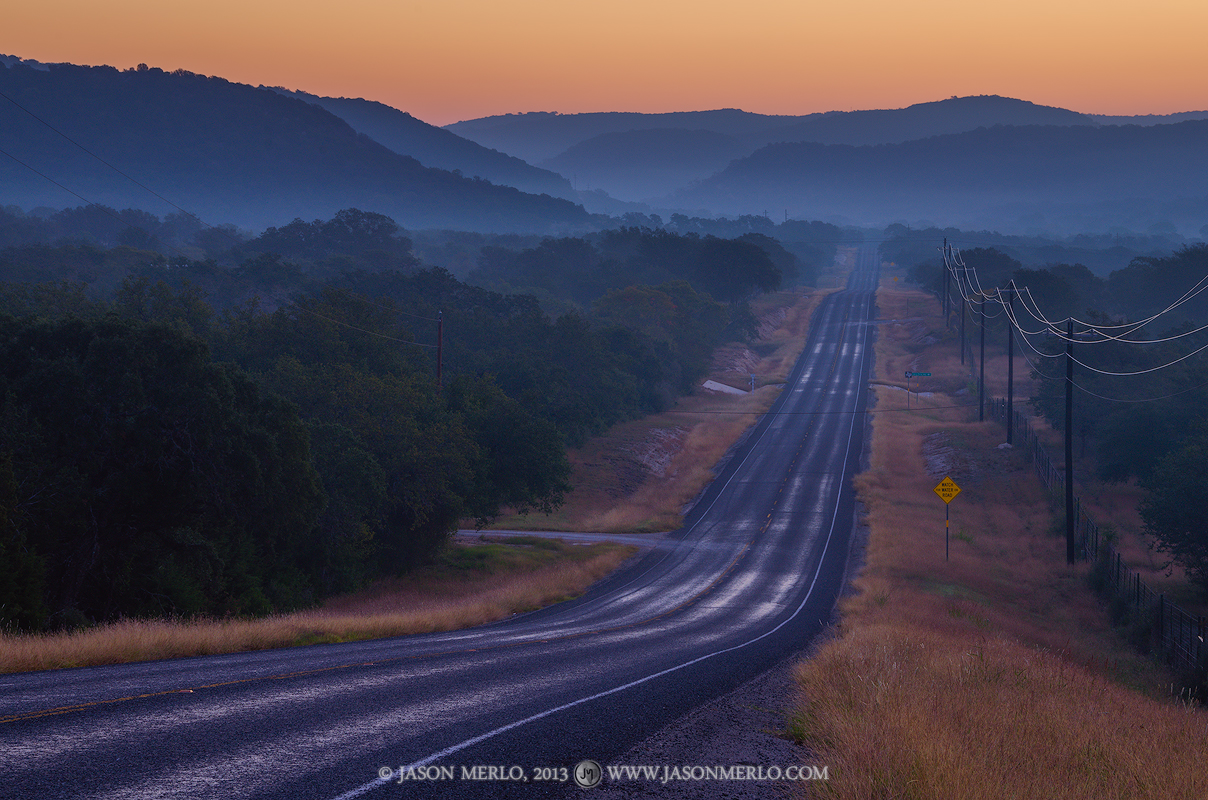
(186, 212)
(1146, 400)
(1104, 337)
(301, 307)
(1052, 328)
(103, 209)
(1088, 327)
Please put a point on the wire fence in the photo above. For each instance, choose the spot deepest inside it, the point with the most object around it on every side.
(1161, 625)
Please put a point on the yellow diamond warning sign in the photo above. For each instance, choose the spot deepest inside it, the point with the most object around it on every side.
(947, 490)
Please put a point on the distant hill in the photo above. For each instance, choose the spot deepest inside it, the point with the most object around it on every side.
(920, 121)
(437, 147)
(230, 153)
(977, 177)
(1149, 119)
(540, 136)
(644, 163)
(594, 146)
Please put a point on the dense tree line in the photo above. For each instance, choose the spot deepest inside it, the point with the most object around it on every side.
(583, 371)
(98, 225)
(583, 269)
(1100, 253)
(797, 248)
(180, 437)
(138, 476)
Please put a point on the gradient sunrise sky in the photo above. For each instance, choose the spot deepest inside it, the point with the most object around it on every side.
(461, 59)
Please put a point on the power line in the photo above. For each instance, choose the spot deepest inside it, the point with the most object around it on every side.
(1089, 327)
(1143, 371)
(1052, 329)
(1096, 369)
(1145, 400)
(187, 213)
(362, 330)
(348, 293)
(102, 208)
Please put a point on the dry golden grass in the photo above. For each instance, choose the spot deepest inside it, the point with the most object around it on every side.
(471, 585)
(617, 492)
(995, 673)
(639, 476)
(908, 712)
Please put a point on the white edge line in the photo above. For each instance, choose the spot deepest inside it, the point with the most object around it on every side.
(448, 751)
(682, 545)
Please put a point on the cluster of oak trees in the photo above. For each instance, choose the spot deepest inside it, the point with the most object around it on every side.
(180, 438)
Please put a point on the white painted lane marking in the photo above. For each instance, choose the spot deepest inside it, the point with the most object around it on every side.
(448, 751)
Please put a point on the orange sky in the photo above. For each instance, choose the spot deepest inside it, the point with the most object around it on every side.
(446, 60)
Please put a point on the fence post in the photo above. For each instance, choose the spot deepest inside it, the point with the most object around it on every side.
(1162, 620)
(1199, 641)
(1187, 649)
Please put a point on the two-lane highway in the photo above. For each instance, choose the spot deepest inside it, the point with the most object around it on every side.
(753, 576)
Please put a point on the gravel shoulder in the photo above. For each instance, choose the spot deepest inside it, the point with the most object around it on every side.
(746, 727)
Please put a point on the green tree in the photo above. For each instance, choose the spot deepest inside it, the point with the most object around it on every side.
(788, 263)
(731, 269)
(22, 570)
(687, 322)
(151, 480)
(521, 459)
(1173, 509)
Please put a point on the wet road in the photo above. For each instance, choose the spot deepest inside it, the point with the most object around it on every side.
(749, 580)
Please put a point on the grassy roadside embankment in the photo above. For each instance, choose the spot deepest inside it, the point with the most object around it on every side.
(994, 674)
(469, 585)
(635, 478)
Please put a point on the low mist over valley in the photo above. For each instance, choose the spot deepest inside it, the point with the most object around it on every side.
(289, 247)
(259, 156)
(973, 162)
(498, 400)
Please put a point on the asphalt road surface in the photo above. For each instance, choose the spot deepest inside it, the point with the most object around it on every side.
(751, 578)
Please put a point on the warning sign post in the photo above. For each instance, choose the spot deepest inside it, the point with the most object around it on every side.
(947, 490)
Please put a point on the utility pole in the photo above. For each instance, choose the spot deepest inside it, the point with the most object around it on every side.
(1070, 547)
(1011, 369)
(945, 303)
(440, 342)
(958, 283)
(981, 381)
